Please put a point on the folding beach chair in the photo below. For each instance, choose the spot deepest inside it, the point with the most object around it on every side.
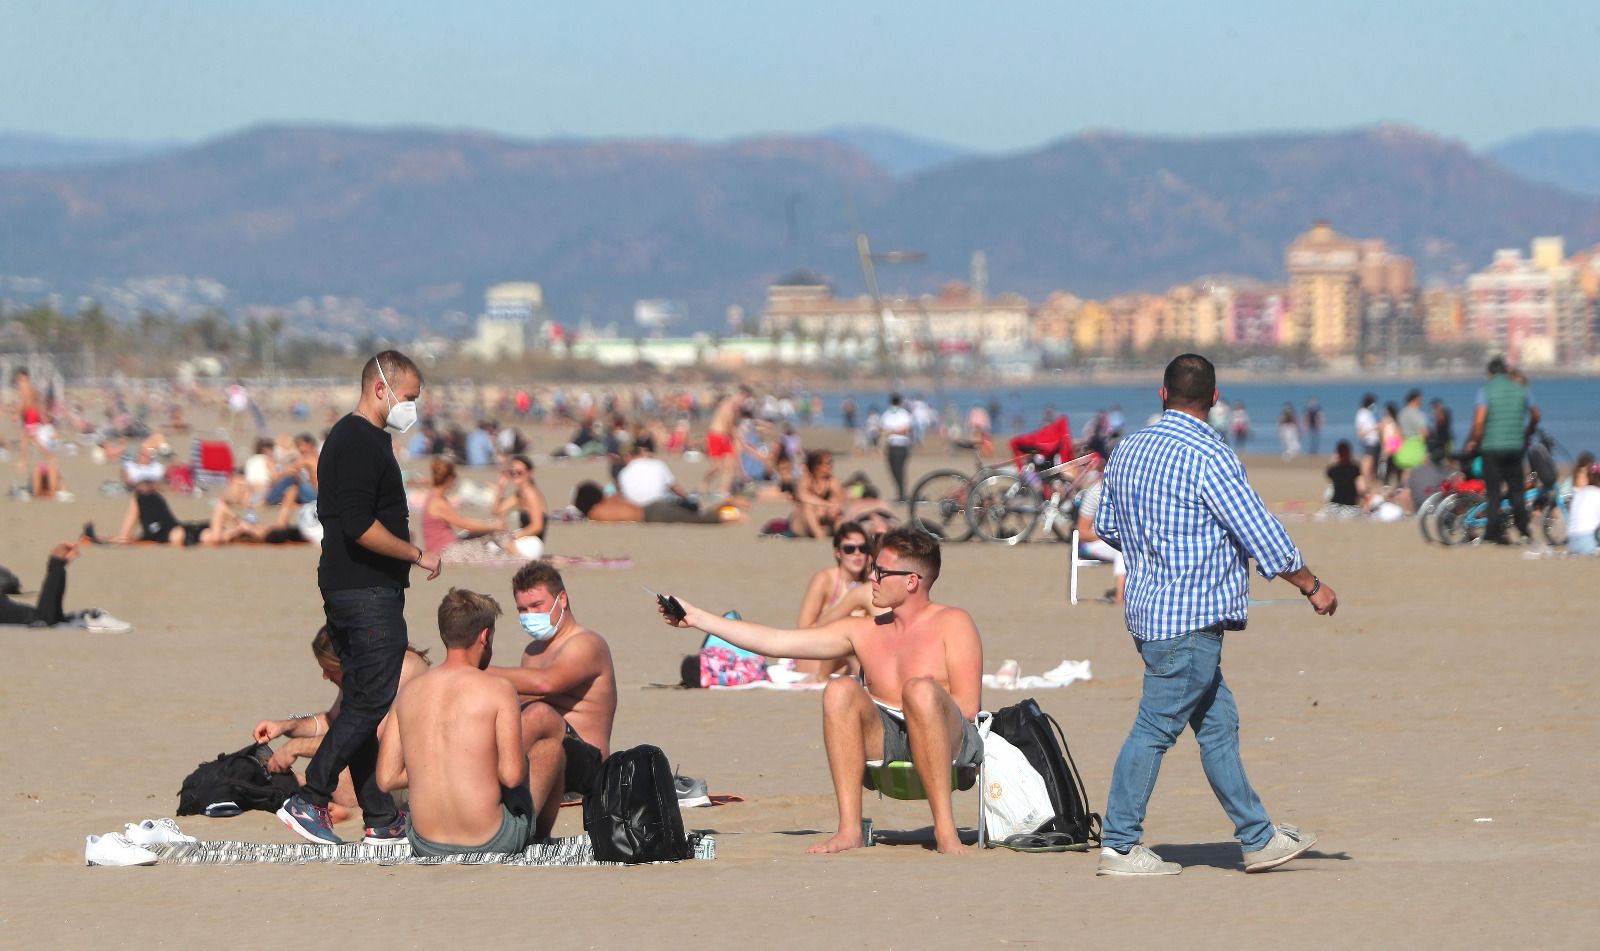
(213, 462)
(1078, 562)
(898, 779)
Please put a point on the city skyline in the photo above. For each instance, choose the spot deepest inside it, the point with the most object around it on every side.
(704, 71)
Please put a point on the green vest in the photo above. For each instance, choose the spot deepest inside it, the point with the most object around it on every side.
(1504, 428)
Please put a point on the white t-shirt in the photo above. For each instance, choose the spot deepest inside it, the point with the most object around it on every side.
(1583, 517)
(258, 471)
(645, 480)
(1366, 427)
(896, 425)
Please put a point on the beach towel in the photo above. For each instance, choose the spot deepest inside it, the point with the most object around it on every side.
(568, 851)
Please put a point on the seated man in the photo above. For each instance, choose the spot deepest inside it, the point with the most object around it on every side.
(456, 742)
(924, 674)
(1091, 545)
(596, 506)
(567, 688)
(646, 480)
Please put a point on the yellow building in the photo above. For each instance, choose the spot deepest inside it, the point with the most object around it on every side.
(1325, 292)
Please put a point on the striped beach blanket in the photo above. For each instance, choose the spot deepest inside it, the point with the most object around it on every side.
(569, 851)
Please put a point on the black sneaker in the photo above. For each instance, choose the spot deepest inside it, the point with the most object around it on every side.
(309, 821)
(392, 834)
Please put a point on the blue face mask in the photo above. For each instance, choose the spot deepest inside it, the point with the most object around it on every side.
(539, 626)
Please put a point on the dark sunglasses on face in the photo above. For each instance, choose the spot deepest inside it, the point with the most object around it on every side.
(854, 549)
(879, 572)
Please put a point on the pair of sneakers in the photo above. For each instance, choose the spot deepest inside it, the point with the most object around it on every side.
(1287, 843)
(132, 846)
(312, 823)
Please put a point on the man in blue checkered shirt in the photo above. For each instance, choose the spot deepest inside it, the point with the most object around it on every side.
(1177, 504)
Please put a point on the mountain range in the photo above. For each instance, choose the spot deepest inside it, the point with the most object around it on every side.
(423, 220)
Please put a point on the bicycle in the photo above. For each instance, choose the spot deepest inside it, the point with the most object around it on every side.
(939, 502)
(1007, 505)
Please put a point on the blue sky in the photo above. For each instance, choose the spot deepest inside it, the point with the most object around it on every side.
(992, 76)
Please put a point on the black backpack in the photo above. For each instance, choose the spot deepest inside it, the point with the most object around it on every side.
(1039, 737)
(241, 778)
(632, 813)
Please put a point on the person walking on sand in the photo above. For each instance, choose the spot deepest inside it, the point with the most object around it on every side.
(364, 571)
(896, 424)
(1178, 505)
(1504, 419)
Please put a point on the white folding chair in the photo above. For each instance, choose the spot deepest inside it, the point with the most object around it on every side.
(1072, 587)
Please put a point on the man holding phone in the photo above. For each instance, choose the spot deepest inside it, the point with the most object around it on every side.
(923, 664)
(366, 563)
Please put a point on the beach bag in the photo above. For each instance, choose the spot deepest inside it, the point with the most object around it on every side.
(240, 778)
(724, 665)
(632, 814)
(1041, 741)
(1411, 453)
(1016, 800)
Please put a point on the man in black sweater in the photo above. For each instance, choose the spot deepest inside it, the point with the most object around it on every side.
(366, 562)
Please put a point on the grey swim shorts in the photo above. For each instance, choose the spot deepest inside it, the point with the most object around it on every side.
(516, 831)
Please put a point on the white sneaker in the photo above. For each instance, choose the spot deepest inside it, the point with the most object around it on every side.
(114, 849)
(99, 621)
(156, 832)
(1069, 670)
(1139, 861)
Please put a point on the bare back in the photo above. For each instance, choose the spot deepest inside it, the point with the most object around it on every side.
(454, 723)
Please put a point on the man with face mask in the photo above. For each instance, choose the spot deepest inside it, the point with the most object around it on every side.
(456, 742)
(568, 691)
(365, 568)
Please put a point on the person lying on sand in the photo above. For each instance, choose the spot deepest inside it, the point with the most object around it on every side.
(48, 611)
(596, 506)
(455, 741)
(306, 733)
(923, 664)
(567, 689)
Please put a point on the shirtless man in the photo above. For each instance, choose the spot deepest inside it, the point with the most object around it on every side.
(924, 668)
(721, 443)
(567, 689)
(456, 742)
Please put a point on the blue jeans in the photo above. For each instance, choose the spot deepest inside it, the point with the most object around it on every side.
(1183, 685)
(368, 627)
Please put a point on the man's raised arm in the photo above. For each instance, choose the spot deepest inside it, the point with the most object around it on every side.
(576, 664)
(829, 642)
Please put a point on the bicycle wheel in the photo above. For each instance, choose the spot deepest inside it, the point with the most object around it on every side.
(1425, 523)
(1465, 520)
(1003, 508)
(1554, 524)
(939, 505)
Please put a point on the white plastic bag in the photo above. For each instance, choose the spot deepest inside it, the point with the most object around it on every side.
(1015, 798)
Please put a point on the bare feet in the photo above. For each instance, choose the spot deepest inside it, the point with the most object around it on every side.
(953, 847)
(840, 842)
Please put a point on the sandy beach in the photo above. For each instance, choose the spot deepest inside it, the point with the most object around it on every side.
(1438, 735)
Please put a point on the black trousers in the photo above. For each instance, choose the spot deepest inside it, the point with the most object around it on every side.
(1503, 479)
(368, 627)
(51, 596)
(897, 468)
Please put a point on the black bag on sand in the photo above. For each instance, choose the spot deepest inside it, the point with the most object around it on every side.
(241, 778)
(632, 812)
(1041, 740)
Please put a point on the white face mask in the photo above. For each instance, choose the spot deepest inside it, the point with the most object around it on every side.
(403, 415)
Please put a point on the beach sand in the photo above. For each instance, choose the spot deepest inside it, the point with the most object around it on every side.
(1453, 687)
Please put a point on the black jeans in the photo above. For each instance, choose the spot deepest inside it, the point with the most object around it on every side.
(1503, 479)
(51, 595)
(897, 468)
(368, 627)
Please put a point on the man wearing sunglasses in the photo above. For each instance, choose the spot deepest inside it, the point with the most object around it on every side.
(922, 663)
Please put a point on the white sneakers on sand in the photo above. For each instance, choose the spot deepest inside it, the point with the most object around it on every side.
(156, 832)
(1139, 861)
(132, 845)
(100, 622)
(115, 850)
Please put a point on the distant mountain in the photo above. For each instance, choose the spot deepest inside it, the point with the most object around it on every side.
(897, 153)
(1569, 159)
(423, 221)
(21, 150)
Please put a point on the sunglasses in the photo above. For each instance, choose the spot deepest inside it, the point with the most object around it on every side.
(854, 549)
(879, 572)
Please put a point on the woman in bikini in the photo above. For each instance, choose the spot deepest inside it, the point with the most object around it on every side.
(525, 504)
(852, 554)
(818, 498)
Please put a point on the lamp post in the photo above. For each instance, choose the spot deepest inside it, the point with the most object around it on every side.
(870, 272)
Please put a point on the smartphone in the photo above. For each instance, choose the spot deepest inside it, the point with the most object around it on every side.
(669, 606)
